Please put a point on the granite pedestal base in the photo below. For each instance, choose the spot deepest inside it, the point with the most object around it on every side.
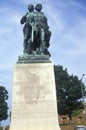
(34, 98)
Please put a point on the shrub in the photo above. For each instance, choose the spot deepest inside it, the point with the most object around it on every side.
(1, 128)
(7, 127)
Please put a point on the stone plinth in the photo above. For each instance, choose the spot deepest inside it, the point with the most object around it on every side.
(34, 98)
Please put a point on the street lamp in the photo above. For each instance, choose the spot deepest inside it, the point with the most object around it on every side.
(83, 96)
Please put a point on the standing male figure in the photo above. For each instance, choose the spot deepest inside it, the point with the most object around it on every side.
(28, 19)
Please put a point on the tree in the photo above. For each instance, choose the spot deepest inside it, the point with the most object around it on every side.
(3, 103)
(68, 91)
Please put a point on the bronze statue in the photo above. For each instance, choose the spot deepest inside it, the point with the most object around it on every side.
(28, 19)
(36, 35)
(36, 31)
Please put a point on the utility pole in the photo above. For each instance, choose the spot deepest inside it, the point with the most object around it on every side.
(83, 96)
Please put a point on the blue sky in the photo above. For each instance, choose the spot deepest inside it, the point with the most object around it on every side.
(67, 22)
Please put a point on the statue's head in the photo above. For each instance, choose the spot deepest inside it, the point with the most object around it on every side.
(31, 8)
(38, 7)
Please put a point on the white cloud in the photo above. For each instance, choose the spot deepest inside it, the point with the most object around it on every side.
(78, 5)
(10, 38)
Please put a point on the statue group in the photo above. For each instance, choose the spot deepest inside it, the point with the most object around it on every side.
(36, 31)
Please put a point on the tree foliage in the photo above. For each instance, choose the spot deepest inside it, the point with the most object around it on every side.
(1, 128)
(3, 103)
(68, 91)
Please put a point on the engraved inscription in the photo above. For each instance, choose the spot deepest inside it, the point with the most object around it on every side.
(42, 110)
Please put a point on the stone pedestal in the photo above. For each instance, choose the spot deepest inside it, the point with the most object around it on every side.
(34, 98)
